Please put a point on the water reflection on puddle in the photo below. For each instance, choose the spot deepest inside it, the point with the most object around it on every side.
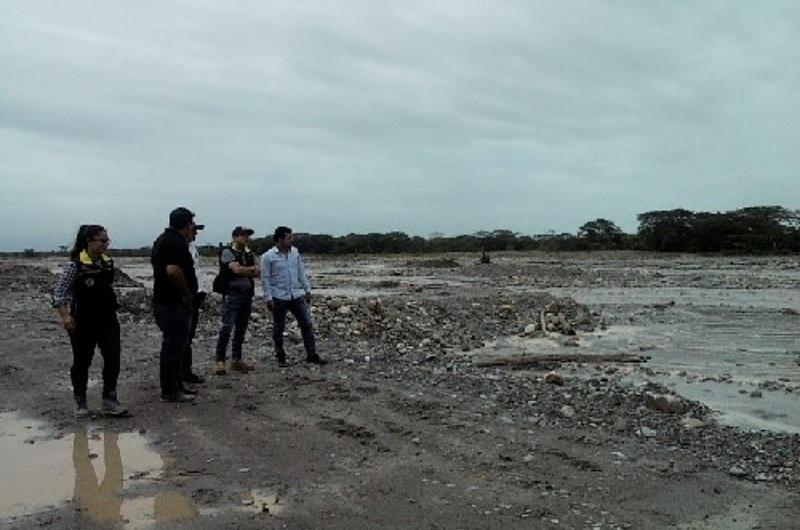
(100, 471)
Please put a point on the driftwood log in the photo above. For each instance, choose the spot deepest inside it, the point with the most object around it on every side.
(533, 360)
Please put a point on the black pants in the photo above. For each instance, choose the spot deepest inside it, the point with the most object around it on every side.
(299, 309)
(175, 322)
(186, 360)
(94, 331)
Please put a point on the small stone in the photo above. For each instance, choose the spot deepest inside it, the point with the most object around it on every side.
(344, 310)
(736, 471)
(692, 423)
(244, 470)
(567, 411)
(647, 432)
(756, 394)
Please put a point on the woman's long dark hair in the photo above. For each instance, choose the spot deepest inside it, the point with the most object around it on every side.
(85, 233)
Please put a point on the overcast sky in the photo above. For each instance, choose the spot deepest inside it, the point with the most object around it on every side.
(421, 116)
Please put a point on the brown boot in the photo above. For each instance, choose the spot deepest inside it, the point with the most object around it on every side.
(241, 366)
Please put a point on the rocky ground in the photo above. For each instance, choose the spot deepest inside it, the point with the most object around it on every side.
(409, 427)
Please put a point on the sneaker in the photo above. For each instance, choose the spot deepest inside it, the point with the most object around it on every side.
(111, 406)
(194, 379)
(316, 359)
(177, 397)
(241, 366)
(186, 389)
(81, 409)
(282, 362)
(219, 367)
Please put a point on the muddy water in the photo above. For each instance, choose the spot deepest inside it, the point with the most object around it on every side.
(695, 336)
(107, 475)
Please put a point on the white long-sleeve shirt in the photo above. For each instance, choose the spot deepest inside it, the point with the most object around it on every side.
(198, 270)
(283, 276)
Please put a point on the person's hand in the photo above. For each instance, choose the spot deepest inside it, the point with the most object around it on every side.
(68, 322)
(270, 305)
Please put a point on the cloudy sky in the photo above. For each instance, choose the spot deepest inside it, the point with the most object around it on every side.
(421, 116)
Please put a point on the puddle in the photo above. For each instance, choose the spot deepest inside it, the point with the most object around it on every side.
(103, 473)
(774, 411)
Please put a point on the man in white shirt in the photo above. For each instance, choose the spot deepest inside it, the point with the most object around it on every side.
(186, 362)
(286, 288)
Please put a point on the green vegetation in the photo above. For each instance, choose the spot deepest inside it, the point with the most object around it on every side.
(751, 230)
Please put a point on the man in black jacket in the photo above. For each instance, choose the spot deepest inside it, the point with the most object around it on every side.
(174, 289)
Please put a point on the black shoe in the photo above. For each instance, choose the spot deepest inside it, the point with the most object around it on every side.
(81, 410)
(177, 397)
(316, 359)
(111, 406)
(282, 362)
(189, 391)
(194, 379)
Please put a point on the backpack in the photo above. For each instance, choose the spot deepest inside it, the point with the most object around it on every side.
(220, 283)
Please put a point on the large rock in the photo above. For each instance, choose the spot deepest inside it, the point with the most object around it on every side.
(664, 403)
(375, 306)
(334, 304)
(554, 378)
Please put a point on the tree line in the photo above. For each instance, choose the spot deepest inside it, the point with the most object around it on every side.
(750, 230)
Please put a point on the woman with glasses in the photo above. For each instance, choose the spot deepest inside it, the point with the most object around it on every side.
(87, 304)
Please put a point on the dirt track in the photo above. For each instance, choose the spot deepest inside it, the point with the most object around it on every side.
(402, 429)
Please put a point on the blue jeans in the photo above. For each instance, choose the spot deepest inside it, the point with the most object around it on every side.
(236, 310)
(175, 324)
(299, 309)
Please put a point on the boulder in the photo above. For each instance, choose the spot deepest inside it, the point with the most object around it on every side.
(554, 378)
(664, 403)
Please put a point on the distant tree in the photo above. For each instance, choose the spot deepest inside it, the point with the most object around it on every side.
(665, 230)
(601, 233)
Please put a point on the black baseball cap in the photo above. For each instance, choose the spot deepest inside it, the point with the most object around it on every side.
(242, 231)
(180, 218)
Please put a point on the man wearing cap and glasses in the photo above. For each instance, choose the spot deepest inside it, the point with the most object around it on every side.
(174, 289)
(237, 268)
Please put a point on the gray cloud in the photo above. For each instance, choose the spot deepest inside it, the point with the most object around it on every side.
(363, 116)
